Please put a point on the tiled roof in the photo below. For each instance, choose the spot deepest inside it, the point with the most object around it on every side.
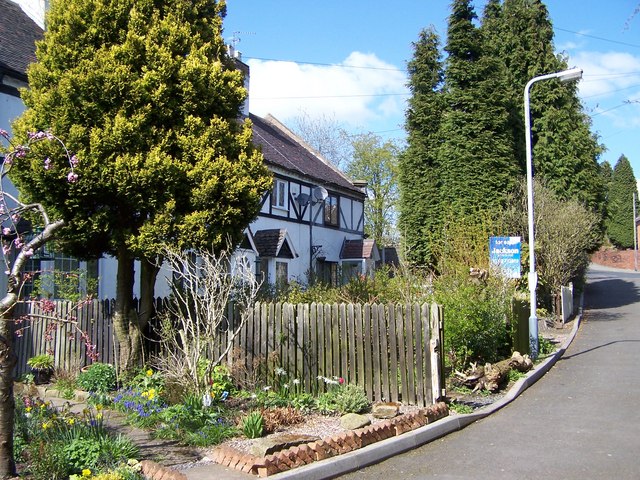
(358, 248)
(18, 34)
(272, 243)
(283, 149)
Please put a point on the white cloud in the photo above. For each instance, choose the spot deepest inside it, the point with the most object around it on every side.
(354, 96)
(607, 74)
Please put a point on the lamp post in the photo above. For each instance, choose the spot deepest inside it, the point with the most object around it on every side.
(563, 76)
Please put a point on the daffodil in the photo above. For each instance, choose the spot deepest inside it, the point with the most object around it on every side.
(149, 373)
(86, 473)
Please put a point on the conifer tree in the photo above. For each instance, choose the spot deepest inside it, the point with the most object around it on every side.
(144, 93)
(620, 222)
(478, 166)
(419, 167)
(565, 151)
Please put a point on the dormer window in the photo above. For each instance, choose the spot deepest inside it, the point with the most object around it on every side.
(279, 194)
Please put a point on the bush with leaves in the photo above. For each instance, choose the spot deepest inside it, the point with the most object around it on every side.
(98, 378)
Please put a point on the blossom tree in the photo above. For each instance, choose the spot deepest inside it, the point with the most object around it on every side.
(16, 251)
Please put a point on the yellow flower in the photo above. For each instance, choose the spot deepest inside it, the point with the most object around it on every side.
(99, 416)
(99, 407)
(71, 421)
(149, 373)
(86, 473)
(27, 409)
(46, 425)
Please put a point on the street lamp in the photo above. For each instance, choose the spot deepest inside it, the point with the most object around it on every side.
(563, 76)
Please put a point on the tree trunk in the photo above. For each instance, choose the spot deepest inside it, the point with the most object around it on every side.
(129, 324)
(7, 402)
(124, 318)
(148, 274)
(7, 355)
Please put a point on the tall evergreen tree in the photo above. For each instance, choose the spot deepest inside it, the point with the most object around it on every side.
(419, 180)
(565, 151)
(478, 167)
(145, 95)
(620, 224)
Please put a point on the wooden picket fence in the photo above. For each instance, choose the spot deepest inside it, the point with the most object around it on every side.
(392, 351)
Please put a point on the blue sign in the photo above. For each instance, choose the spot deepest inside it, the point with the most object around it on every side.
(504, 255)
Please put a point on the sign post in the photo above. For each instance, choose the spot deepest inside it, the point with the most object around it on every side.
(504, 255)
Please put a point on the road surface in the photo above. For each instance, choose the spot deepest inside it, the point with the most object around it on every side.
(580, 421)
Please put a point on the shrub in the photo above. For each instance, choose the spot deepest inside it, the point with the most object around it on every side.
(99, 378)
(475, 320)
(41, 362)
(253, 425)
(351, 399)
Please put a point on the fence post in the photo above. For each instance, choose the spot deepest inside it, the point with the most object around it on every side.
(436, 347)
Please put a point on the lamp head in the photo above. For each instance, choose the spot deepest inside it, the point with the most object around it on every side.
(569, 75)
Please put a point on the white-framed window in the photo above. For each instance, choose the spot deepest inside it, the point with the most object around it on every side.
(279, 194)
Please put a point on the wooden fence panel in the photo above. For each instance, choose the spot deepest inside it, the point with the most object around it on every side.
(392, 351)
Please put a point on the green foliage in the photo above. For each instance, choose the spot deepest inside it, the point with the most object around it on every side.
(72, 286)
(460, 408)
(619, 223)
(193, 423)
(57, 444)
(351, 399)
(375, 162)
(99, 378)
(66, 387)
(419, 166)
(466, 140)
(220, 381)
(545, 346)
(253, 425)
(41, 362)
(475, 320)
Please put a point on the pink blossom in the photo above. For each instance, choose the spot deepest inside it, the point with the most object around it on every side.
(341, 380)
(6, 248)
(18, 242)
(6, 231)
(4, 133)
(47, 163)
(29, 252)
(73, 161)
(72, 177)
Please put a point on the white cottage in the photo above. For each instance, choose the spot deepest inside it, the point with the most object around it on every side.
(311, 214)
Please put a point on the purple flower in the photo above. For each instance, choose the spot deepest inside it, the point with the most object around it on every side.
(73, 161)
(47, 163)
(72, 177)
(6, 231)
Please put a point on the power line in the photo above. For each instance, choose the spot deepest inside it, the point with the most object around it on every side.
(307, 97)
(598, 38)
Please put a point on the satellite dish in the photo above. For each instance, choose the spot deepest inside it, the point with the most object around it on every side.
(303, 199)
(319, 194)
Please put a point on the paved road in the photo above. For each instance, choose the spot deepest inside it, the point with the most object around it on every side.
(580, 421)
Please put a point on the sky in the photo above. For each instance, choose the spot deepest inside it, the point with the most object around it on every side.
(345, 60)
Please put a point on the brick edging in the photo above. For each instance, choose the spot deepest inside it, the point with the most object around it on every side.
(326, 448)
(154, 471)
